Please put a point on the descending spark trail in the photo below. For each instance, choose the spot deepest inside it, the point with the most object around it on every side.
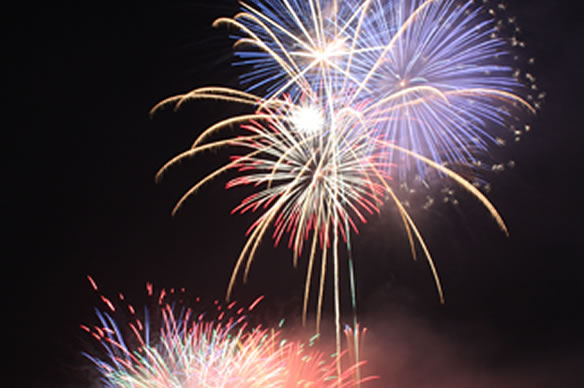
(174, 346)
(341, 91)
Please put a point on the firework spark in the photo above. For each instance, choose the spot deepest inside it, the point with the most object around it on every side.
(176, 347)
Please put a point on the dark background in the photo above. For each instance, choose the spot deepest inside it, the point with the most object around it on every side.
(82, 169)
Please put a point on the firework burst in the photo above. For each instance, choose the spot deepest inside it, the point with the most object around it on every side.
(340, 91)
(436, 77)
(177, 347)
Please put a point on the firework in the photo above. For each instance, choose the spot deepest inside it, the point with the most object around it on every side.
(177, 347)
(436, 77)
(340, 91)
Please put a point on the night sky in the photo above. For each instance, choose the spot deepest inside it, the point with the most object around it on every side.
(85, 202)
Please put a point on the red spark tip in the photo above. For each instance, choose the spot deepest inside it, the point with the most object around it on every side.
(92, 282)
(255, 303)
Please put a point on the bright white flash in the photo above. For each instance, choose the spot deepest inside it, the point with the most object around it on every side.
(307, 119)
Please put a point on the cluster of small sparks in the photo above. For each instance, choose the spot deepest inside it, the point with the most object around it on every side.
(347, 98)
(174, 346)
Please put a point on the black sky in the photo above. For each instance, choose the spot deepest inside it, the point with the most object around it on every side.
(82, 170)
